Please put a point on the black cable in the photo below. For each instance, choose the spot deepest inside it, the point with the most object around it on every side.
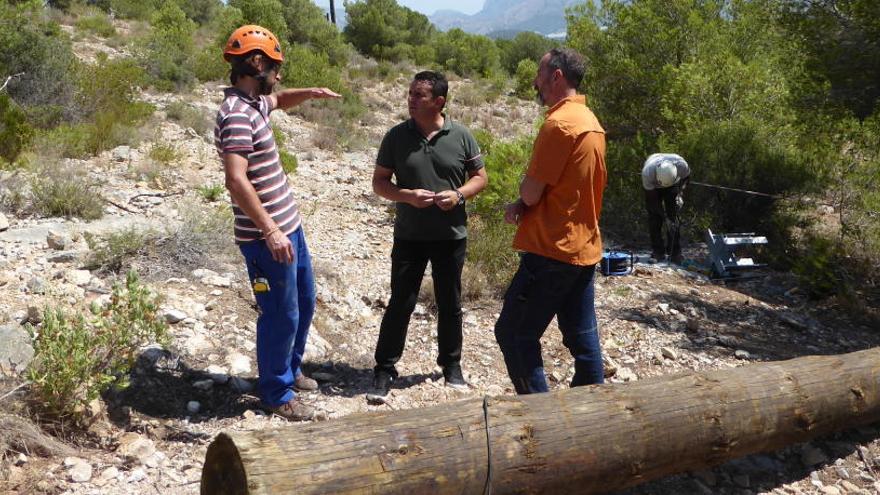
(487, 490)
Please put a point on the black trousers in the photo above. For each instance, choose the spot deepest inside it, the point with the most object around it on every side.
(661, 207)
(408, 262)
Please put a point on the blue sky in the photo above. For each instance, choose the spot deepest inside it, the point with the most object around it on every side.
(426, 7)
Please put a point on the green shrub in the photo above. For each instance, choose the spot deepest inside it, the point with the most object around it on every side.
(15, 133)
(468, 55)
(490, 250)
(77, 358)
(208, 64)
(113, 252)
(163, 153)
(97, 22)
(525, 79)
(306, 68)
(288, 161)
(212, 192)
(63, 193)
(189, 116)
(169, 48)
(203, 239)
(134, 9)
(525, 45)
(307, 26)
(820, 268)
(506, 163)
(375, 27)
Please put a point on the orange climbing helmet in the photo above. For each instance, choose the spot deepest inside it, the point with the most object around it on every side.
(252, 37)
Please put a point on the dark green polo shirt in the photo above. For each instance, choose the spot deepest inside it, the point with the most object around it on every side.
(437, 165)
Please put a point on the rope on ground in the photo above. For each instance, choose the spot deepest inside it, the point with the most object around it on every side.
(487, 489)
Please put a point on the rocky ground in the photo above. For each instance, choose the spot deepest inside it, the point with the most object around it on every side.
(152, 437)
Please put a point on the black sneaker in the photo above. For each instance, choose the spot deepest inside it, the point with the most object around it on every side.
(452, 375)
(382, 381)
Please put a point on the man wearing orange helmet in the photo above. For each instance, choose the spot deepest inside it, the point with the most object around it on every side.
(268, 226)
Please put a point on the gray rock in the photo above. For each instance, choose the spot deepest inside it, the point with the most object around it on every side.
(173, 315)
(204, 384)
(58, 240)
(668, 353)
(36, 285)
(16, 352)
(111, 473)
(238, 364)
(65, 257)
(742, 354)
(218, 374)
(193, 406)
(4, 222)
(121, 153)
(241, 385)
(316, 347)
(135, 446)
(78, 277)
(80, 472)
(137, 475)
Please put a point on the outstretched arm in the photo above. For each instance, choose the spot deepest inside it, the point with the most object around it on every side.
(292, 97)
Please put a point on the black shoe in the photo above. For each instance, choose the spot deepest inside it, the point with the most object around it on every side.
(382, 381)
(454, 378)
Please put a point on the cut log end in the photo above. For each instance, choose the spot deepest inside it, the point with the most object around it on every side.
(223, 472)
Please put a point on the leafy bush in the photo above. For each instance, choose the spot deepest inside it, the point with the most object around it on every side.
(189, 116)
(114, 251)
(15, 133)
(467, 54)
(266, 13)
(64, 193)
(375, 27)
(163, 153)
(95, 21)
(169, 48)
(490, 250)
(307, 26)
(76, 358)
(526, 45)
(525, 79)
(212, 192)
(820, 269)
(208, 64)
(133, 9)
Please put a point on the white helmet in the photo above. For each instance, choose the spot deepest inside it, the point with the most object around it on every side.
(667, 173)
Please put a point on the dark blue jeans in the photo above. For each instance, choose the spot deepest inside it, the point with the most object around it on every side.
(541, 289)
(286, 311)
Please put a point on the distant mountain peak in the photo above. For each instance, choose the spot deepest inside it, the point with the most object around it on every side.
(541, 16)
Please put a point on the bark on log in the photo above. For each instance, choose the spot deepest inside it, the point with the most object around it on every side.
(582, 440)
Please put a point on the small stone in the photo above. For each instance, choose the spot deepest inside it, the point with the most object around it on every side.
(742, 354)
(204, 384)
(80, 472)
(16, 350)
(663, 307)
(668, 353)
(376, 400)
(830, 490)
(627, 375)
(36, 285)
(137, 475)
(64, 257)
(21, 459)
(4, 223)
(121, 153)
(218, 374)
(78, 277)
(850, 486)
(842, 472)
(193, 406)
(238, 364)
(217, 281)
(249, 414)
(135, 446)
(240, 385)
(57, 241)
(174, 315)
(111, 473)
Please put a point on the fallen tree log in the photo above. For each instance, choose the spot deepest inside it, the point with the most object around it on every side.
(583, 440)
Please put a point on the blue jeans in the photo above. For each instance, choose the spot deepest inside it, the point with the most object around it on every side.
(286, 311)
(541, 289)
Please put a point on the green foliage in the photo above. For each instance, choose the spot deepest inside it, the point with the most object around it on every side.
(208, 64)
(163, 153)
(114, 251)
(15, 133)
(288, 160)
(490, 250)
(819, 268)
(212, 192)
(133, 9)
(307, 26)
(375, 27)
(526, 71)
(506, 162)
(266, 13)
(189, 116)
(97, 22)
(169, 47)
(307, 68)
(64, 193)
(467, 54)
(76, 358)
(525, 45)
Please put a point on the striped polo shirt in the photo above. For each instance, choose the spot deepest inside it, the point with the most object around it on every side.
(243, 127)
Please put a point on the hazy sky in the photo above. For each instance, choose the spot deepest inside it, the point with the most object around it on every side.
(427, 7)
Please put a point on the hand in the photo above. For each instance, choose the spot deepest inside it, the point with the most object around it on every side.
(421, 198)
(317, 93)
(513, 212)
(280, 247)
(679, 201)
(446, 200)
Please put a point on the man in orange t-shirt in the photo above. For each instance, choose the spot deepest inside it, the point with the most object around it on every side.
(558, 234)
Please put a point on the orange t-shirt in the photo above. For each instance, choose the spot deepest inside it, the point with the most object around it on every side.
(569, 157)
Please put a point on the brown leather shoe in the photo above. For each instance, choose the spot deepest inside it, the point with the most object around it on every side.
(304, 383)
(294, 410)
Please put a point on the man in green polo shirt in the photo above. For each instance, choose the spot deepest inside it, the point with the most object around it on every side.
(436, 166)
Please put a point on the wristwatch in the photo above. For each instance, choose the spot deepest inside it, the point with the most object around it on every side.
(460, 197)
